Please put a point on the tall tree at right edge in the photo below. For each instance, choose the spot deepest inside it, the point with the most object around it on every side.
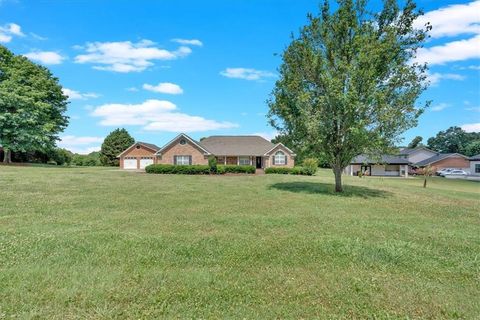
(348, 83)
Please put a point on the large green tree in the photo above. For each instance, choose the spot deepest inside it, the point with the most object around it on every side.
(32, 105)
(348, 84)
(454, 140)
(115, 143)
(416, 142)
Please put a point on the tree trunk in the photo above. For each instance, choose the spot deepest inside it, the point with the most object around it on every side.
(338, 179)
(7, 156)
(425, 182)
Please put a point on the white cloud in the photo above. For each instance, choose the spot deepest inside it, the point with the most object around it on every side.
(246, 73)
(75, 95)
(156, 115)
(440, 106)
(126, 56)
(45, 57)
(191, 42)
(452, 20)
(164, 87)
(38, 37)
(435, 78)
(471, 127)
(451, 51)
(132, 89)
(476, 109)
(9, 30)
(82, 145)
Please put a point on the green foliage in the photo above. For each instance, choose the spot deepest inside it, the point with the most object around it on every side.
(302, 150)
(177, 169)
(212, 163)
(60, 156)
(115, 143)
(310, 165)
(295, 171)
(32, 105)
(473, 148)
(87, 160)
(347, 85)
(416, 142)
(235, 169)
(454, 140)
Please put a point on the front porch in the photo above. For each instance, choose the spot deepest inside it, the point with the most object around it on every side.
(257, 161)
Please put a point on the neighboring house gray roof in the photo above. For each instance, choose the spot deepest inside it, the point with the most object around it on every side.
(149, 145)
(436, 158)
(475, 158)
(237, 145)
(387, 159)
(408, 151)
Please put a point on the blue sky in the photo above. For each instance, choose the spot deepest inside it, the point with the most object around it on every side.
(207, 67)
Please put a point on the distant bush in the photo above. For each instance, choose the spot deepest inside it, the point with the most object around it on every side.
(235, 169)
(310, 165)
(295, 170)
(212, 163)
(177, 169)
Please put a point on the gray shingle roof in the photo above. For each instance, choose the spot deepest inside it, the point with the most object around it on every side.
(237, 145)
(387, 159)
(412, 150)
(476, 157)
(150, 145)
(435, 158)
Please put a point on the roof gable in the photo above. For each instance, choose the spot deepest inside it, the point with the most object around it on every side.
(183, 135)
(438, 157)
(279, 146)
(150, 146)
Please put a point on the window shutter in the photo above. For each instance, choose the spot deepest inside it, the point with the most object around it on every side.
(174, 159)
(286, 159)
(273, 160)
(190, 160)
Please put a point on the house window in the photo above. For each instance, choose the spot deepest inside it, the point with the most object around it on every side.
(477, 168)
(279, 158)
(244, 161)
(183, 142)
(391, 167)
(182, 160)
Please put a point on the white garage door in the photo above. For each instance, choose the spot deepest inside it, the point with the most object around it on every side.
(145, 162)
(129, 163)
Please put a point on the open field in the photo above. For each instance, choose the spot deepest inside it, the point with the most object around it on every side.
(101, 243)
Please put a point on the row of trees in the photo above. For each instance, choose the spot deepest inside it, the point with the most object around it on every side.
(116, 142)
(452, 140)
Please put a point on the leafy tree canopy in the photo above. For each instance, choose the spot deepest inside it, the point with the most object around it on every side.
(416, 142)
(32, 105)
(455, 140)
(115, 143)
(347, 83)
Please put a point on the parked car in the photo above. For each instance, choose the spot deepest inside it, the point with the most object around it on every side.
(456, 172)
(443, 171)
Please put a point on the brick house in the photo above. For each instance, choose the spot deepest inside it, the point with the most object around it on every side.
(228, 150)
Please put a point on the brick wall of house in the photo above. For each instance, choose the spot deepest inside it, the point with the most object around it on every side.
(452, 162)
(176, 149)
(137, 153)
(269, 162)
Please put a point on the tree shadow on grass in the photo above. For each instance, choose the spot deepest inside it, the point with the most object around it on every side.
(329, 189)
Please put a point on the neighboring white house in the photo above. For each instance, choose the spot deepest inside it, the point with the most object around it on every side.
(385, 165)
(475, 165)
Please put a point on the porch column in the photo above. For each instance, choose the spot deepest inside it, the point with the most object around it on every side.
(225, 160)
(406, 171)
(238, 161)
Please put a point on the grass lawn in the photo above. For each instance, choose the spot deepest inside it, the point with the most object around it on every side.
(102, 243)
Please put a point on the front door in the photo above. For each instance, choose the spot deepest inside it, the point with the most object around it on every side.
(259, 162)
